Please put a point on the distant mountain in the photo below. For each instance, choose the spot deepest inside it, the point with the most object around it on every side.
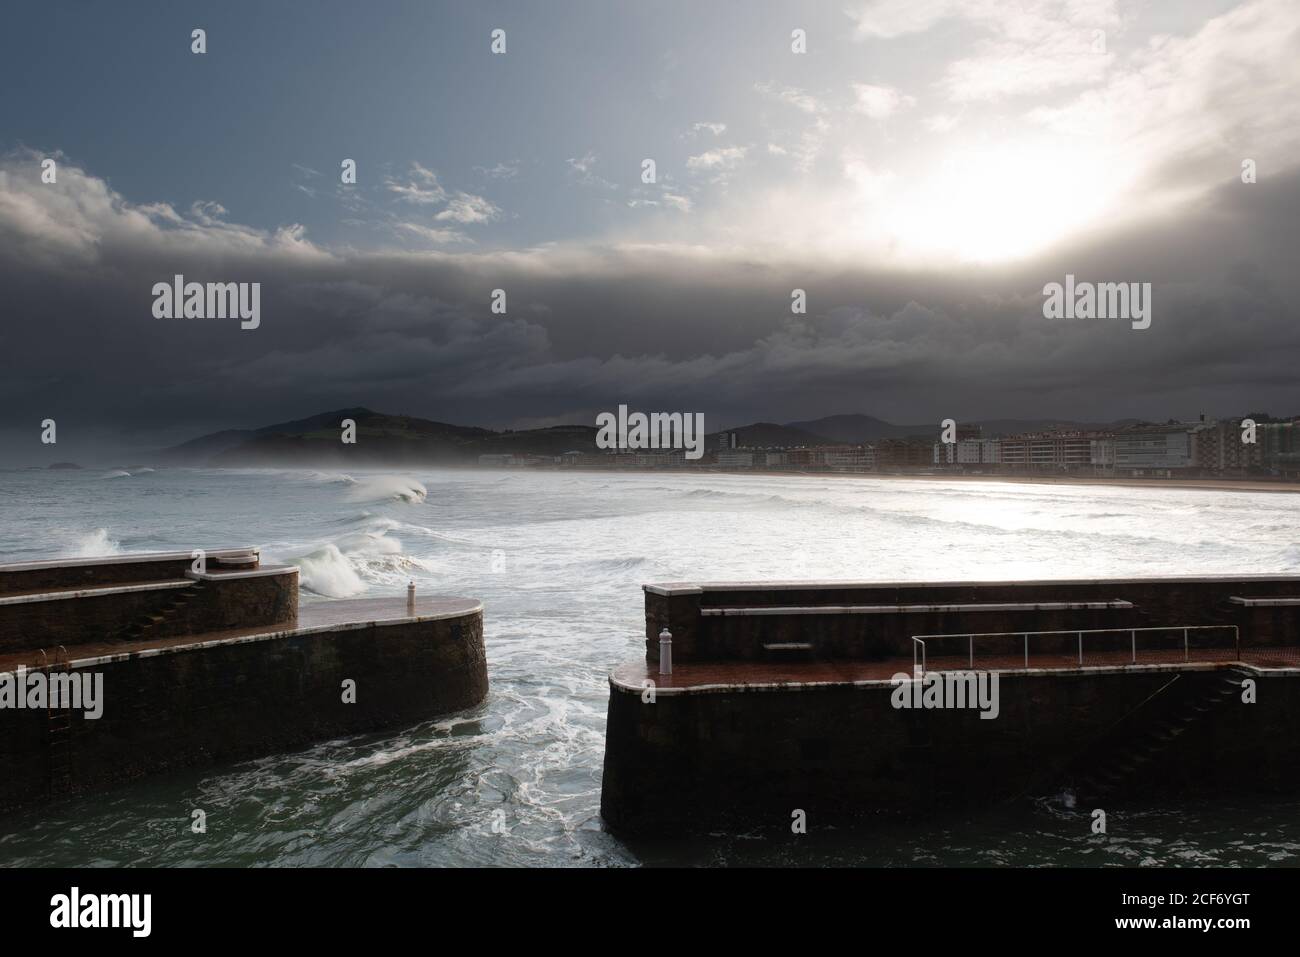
(856, 429)
(995, 427)
(552, 441)
(204, 447)
(768, 434)
(382, 439)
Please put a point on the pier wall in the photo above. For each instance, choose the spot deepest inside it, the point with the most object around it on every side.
(698, 636)
(245, 697)
(702, 760)
(113, 569)
(779, 698)
(238, 600)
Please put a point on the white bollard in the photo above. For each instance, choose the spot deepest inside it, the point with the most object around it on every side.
(410, 599)
(665, 651)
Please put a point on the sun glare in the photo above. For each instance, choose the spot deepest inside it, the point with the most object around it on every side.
(989, 204)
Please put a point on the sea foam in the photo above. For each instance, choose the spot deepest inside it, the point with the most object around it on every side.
(379, 488)
(96, 544)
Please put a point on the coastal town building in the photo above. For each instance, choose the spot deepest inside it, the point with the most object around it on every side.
(1190, 449)
(850, 458)
(1057, 451)
(968, 451)
(736, 459)
(1155, 450)
(904, 454)
(1280, 443)
(1220, 449)
(1053, 451)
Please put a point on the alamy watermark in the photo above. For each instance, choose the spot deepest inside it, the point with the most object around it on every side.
(948, 689)
(75, 909)
(60, 690)
(1107, 300)
(214, 300)
(658, 430)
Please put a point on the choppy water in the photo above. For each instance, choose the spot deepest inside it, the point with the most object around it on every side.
(558, 560)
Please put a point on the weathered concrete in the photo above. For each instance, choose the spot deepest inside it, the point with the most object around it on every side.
(233, 671)
(253, 693)
(1156, 601)
(105, 613)
(742, 758)
(781, 701)
(107, 570)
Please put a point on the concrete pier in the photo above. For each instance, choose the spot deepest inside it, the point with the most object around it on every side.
(202, 667)
(784, 696)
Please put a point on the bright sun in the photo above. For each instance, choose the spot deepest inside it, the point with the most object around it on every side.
(988, 204)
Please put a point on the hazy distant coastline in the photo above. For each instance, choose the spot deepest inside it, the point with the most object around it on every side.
(1207, 484)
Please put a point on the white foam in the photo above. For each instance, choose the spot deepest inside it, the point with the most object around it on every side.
(378, 488)
(327, 571)
(96, 544)
(369, 544)
(332, 478)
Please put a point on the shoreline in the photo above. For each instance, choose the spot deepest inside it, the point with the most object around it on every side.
(1202, 484)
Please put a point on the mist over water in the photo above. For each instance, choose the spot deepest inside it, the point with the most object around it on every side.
(558, 560)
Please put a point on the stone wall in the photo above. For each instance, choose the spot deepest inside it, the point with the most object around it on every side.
(234, 602)
(82, 574)
(700, 761)
(1165, 601)
(242, 699)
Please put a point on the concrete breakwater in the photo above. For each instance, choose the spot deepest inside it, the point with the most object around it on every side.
(202, 666)
(803, 698)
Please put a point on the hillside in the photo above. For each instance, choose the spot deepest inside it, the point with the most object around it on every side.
(382, 439)
(769, 434)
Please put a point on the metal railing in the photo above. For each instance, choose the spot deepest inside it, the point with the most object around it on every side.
(919, 641)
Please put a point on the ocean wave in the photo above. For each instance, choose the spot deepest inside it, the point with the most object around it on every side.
(332, 478)
(393, 488)
(618, 564)
(350, 564)
(116, 473)
(327, 571)
(426, 532)
(96, 544)
(357, 518)
(369, 543)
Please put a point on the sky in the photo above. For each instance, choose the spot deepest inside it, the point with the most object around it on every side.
(921, 169)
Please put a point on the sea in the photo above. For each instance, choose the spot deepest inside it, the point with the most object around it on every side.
(558, 559)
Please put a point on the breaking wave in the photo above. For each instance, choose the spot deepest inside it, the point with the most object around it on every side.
(351, 564)
(332, 478)
(327, 571)
(393, 488)
(96, 544)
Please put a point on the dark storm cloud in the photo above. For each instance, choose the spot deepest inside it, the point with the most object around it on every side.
(589, 327)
